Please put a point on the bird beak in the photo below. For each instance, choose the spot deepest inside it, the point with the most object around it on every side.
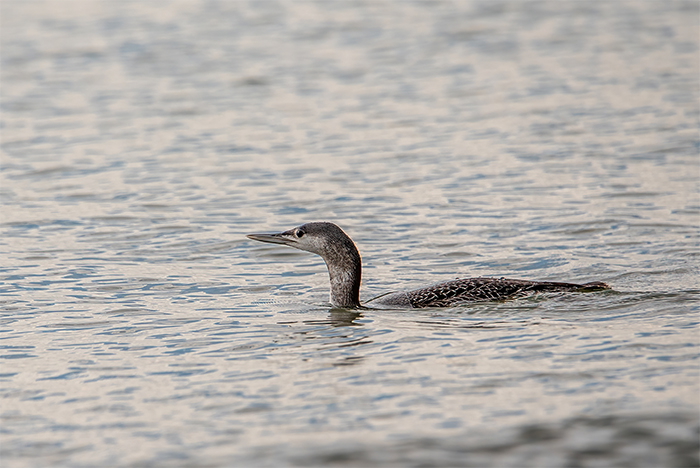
(283, 238)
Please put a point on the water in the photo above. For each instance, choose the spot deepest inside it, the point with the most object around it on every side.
(537, 140)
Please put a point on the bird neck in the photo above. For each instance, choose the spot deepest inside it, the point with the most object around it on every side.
(345, 271)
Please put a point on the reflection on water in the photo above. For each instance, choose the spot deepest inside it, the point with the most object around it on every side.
(340, 318)
(539, 140)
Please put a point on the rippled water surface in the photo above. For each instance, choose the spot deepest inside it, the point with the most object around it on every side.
(538, 140)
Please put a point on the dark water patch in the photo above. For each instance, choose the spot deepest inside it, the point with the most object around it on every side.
(582, 441)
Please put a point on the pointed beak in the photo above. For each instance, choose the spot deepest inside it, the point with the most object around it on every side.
(283, 238)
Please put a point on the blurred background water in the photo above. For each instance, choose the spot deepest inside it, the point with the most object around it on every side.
(542, 140)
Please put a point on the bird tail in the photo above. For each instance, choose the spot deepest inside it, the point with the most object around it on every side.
(594, 286)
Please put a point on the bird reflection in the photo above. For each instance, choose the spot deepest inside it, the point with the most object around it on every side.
(339, 318)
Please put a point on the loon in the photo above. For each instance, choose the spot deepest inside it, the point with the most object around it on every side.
(345, 269)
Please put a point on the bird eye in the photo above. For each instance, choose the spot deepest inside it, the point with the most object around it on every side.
(300, 233)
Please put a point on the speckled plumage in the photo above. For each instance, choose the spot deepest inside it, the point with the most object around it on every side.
(464, 290)
(345, 269)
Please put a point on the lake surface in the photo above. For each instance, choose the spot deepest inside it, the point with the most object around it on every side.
(538, 140)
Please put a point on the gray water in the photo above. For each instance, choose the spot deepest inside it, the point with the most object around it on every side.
(537, 140)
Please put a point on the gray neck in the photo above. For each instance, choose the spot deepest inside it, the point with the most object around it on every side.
(345, 270)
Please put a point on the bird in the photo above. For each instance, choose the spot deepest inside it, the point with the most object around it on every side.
(345, 270)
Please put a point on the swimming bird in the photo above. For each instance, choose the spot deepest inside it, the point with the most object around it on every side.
(345, 270)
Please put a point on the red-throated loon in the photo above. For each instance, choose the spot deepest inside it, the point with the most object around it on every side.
(345, 270)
